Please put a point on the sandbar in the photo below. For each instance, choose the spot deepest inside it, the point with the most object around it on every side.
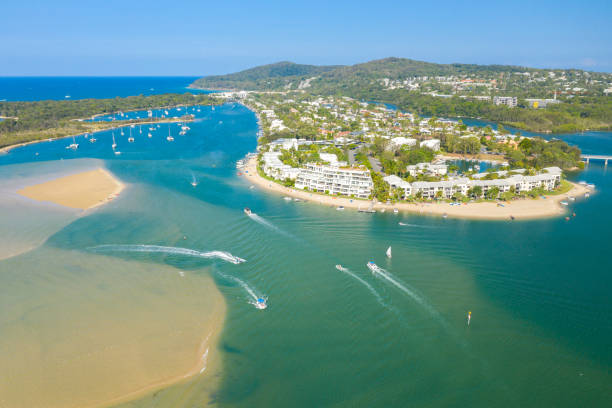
(82, 190)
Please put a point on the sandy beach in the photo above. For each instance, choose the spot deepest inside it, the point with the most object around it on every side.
(81, 191)
(519, 209)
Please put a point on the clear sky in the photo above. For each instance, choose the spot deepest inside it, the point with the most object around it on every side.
(187, 37)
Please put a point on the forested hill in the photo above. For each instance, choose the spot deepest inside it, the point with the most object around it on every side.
(288, 75)
(264, 77)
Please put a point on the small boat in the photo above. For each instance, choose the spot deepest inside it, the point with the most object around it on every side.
(372, 266)
(388, 253)
(587, 195)
(395, 211)
(170, 139)
(247, 211)
(261, 303)
(74, 145)
(591, 186)
(287, 198)
(564, 203)
(114, 145)
(567, 218)
(512, 217)
(340, 267)
(445, 215)
(117, 153)
(150, 135)
(194, 184)
(573, 214)
(572, 198)
(340, 208)
(131, 139)
(92, 140)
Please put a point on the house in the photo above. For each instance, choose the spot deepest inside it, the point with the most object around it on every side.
(335, 180)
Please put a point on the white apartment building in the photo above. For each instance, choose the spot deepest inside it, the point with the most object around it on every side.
(335, 180)
(548, 179)
(398, 142)
(510, 101)
(433, 144)
(273, 167)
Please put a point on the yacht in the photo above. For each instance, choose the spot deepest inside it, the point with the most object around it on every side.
(114, 145)
(74, 145)
(247, 211)
(131, 139)
(169, 138)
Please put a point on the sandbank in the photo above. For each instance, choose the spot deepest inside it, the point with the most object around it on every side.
(82, 190)
(519, 209)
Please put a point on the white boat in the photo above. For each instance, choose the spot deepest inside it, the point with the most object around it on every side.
(247, 211)
(92, 140)
(372, 266)
(131, 139)
(395, 211)
(564, 203)
(340, 267)
(287, 198)
(261, 303)
(117, 153)
(114, 145)
(591, 186)
(586, 195)
(150, 135)
(388, 253)
(340, 208)
(169, 138)
(194, 184)
(74, 145)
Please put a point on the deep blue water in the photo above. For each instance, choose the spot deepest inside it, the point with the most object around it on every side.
(62, 88)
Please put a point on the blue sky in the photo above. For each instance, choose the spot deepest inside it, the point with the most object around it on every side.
(200, 37)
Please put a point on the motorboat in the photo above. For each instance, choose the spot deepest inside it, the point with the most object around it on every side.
(395, 211)
(261, 303)
(170, 139)
(564, 203)
(247, 211)
(340, 208)
(372, 266)
(340, 267)
(74, 145)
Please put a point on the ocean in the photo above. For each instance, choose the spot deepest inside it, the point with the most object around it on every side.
(538, 291)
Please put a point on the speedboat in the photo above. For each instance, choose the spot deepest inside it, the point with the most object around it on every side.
(564, 203)
(247, 211)
(340, 208)
(194, 184)
(372, 266)
(261, 303)
(170, 139)
(339, 267)
(287, 198)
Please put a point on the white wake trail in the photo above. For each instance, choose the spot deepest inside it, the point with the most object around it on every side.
(226, 256)
(268, 224)
(249, 290)
(377, 270)
(363, 282)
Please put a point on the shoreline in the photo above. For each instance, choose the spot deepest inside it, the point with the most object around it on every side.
(519, 209)
(7, 149)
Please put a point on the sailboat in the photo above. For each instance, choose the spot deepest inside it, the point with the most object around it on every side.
(74, 145)
(130, 139)
(114, 146)
(169, 138)
(388, 252)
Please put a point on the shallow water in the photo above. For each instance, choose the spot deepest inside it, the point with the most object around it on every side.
(537, 290)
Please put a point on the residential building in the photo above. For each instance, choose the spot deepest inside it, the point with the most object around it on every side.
(433, 144)
(335, 180)
(427, 168)
(510, 101)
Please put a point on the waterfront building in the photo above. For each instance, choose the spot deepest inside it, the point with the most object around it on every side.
(334, 180)
(275, 168)
(398, 142)
(510, 101)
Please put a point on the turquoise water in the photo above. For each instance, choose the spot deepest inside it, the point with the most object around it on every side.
(538, 290)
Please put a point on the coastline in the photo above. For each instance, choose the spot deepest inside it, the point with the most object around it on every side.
(519, 209)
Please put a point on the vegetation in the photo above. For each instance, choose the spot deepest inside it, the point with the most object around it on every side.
(48, 119)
